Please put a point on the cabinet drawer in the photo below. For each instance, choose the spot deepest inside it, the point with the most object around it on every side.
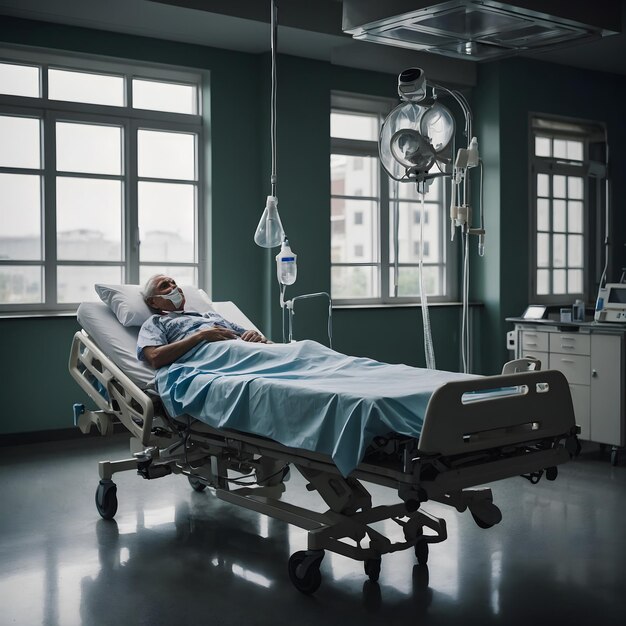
(570, 343)
(542, 357)
(535, 341)
(575, 367)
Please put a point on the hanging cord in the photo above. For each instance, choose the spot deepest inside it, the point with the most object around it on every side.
(396, 235)
(606, 212)
(429, 349)
(465, 313)
(273, 109)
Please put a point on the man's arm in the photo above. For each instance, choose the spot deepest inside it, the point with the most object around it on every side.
(158, 356)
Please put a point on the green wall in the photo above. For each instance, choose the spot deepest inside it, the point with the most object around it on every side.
(507, 93)
(237, 126)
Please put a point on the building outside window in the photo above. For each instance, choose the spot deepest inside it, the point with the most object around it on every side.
(365, 221)
(99, 178)
(567, 190)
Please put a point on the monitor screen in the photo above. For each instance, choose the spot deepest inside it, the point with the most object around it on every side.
(617, 295)
(534, 312)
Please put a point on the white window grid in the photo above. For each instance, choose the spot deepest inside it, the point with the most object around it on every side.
(349, 103)
(131, 120)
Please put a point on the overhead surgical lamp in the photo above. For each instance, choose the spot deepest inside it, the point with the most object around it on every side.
(416, 145)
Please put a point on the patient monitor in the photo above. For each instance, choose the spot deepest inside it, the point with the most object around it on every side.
(611, 303)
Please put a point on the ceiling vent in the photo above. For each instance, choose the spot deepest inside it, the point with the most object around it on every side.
(480, 30)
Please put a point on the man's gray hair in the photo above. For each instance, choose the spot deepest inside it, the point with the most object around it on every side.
(149, 290)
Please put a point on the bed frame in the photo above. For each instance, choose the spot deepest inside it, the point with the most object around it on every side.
(471, 435)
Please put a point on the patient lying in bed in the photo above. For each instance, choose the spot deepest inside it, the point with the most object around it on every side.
(302, 394)
(171, 332)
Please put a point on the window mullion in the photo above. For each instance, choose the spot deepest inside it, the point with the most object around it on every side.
(132, 236)
(383, 213)
(49, 229)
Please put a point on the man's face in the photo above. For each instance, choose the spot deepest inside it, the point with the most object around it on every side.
(164, 286)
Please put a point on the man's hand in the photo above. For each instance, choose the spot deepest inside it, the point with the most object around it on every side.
(252, 335)
(215, 333)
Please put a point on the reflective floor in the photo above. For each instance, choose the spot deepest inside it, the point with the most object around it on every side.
(175, 557)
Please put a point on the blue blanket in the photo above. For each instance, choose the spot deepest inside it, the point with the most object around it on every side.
(302, 395)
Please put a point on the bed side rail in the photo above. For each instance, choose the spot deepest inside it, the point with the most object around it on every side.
(125, 399)
(481, 413)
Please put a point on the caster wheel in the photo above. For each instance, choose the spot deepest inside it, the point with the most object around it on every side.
(552, 473)
(614, 458)
(421, 552)
(372, 569)
(106, 499)
(196, 483)
(304, 572)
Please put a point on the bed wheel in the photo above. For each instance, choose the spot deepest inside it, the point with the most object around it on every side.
(196, 483)
(372, 569)
(421, 552)
(304, 570)
(480, 522)
(106, 499)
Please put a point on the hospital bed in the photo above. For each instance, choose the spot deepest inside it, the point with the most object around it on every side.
(475, 430)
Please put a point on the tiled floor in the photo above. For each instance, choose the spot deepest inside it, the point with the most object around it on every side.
(176, 557)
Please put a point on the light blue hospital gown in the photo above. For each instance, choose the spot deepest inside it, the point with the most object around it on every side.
(158, 330)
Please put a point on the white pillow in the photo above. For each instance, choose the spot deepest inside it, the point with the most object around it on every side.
(127, 302)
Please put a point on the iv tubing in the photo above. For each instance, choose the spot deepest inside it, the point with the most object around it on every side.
(274, 24)
(429, 349)
(465, 341)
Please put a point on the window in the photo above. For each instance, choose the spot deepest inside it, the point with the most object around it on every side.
(365, 206)
(93, 158)
(566, 193)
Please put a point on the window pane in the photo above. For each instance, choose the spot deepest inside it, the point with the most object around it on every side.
(543, 185)
(575, 187)
(75, 283)
(84, 87)
(354, 176)
(558, 186)
(542, 146)
(558, 217)
(559, 278)
(20, 216)
(543, 214)
(543, 250)
(408, 281)
(167, 217)
(560, 149)
(160, 96)
(575, 216)
(558, 250)
(543, 282)
(89, 148)
(89, 219)
(20, 284)
(183, 275)
(575, 250)
(354, 126)
(365, 234)
(575, 151)
(354, 282)
(575, 281)
(409, 232)
(166, 155)
(19, 80)
(20, 142)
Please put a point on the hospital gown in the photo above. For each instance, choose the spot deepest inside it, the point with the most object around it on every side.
(159, 330)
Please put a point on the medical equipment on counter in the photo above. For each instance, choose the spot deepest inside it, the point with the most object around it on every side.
(469, 437)
(416, 145)
(611, 303)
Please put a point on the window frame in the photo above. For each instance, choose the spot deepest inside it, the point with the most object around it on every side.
(577, 130)
(352, 103)
(131, 120)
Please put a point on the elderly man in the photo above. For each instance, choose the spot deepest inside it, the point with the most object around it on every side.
(172, 331)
